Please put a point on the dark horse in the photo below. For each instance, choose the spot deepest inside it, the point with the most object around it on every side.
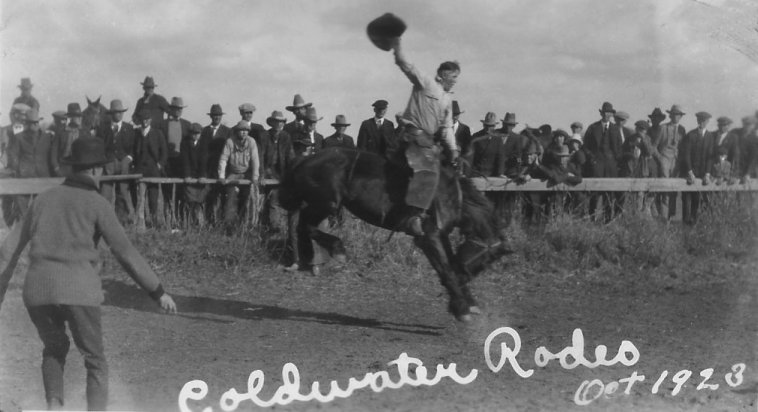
(373, 189)
(94, 115)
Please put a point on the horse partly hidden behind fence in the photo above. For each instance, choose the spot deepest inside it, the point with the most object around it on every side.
(94, 115)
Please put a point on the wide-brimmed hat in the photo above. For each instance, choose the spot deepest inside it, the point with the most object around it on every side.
(384, 29)
(149, 82)
(510, 118)
(723, 120)
(340, 121)
(456, 108)
(87, 152)
(657, 114)
(621, 115)
(216, 110)
(607, 107)
(177, 102)
(117, 106)
(700, 116)
(490, 119)
(311, 116)
(33, 116)
(241, 125)
(74, 110)
(675, 109)
(26, 83)
(59, 114)
(297, 103)
(196, 128)
(276, 116)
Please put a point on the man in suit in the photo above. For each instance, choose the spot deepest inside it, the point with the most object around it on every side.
(666, 144)
(513, 144)
(277, 155)
(377, 134)
(118, 137)
(214, 135)
(29, 155)
(698, 149)
(194, 156)
(299, 108)
(620, 133)
(62, 144)
(151, 156)
(308, 141)
(604, 151)
(486, 148)
(246, 114)
(153, 102)
(175, 129)
(339, 138)
(461, 131)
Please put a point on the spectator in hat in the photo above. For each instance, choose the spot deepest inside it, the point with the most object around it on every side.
(277, 155)
(9, 133)
(666, 144)
(727, 139)
(377, 134)
(150, 157)
(602, 144)
(299, 108)
(721, 170)
(514, 144)
(175, 129)
(246, 114)
(239, 160)
(636, 161)
(155, 104)
(215, 136)
(747, 165)
(62, 285)
(577, 130)
(620, 118)
(194, 156)
(26, 95)
(461, 131)
(307, 141)
(486, 147)
(62, 144)
(59, 122)
(339, 138)
(118, 136)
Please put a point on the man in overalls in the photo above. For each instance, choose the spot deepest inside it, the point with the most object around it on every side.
(428, 118)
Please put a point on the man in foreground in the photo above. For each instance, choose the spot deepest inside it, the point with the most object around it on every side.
(62, 284)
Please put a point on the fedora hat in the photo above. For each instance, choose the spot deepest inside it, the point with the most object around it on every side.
(657, 114)
(276, 116)
(490, 119)
(74, 110)
(675, 109)
(116, 106)
(241, 125)
(340, 121)
(311, 116)
(297, 103)
(32, 116)
(510, 118)
(177, 102)
(87, 152)
(216, 110)
(149, 82)
(607, 107)
(384, 29)
(380, 104)
(26, 83)
(456, 108)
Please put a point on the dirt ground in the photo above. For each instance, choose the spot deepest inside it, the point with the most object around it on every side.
(345, 324)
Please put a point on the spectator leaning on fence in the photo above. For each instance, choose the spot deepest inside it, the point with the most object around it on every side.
(151, 156)
(697, 154)
(62, 284)
(194, 159)
(239, 160)
(667, 149)
(118, 136)
(339, 138)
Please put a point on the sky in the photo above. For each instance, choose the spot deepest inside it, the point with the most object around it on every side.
(548, 61)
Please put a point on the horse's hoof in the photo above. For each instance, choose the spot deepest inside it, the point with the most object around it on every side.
(475, 310)
(465, 318)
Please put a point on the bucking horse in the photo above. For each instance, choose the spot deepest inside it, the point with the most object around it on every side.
(373, 189)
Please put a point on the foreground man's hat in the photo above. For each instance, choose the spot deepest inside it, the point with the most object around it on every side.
(87, 152)
(116, 106)
(297, 103)
(276, 116)
(384, 29)
(340, 120)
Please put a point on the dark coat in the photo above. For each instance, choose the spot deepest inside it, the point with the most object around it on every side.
(697, 153)
(577, 162)
(749, 155)
(194, 158)
(215, 146)
(62, 141)
(513, 146)
(29, 154)
(276, 154)
(256, 131)
(378, 140)
(301, 143)
(293, 127)
(120, 145)
(463, 137)
(163, 126)
(731, 144)
(157, 106)
(640, 166)
(488, 155)
(151, 151)
(604, 149)
(336, 141)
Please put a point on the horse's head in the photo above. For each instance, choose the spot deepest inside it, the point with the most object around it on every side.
(94, 114)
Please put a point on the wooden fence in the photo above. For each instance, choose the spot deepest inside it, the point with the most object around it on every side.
(32, 186)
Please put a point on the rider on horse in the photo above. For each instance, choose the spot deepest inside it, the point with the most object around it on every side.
(427, 120)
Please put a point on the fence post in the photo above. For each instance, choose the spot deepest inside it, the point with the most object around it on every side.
(142, 189)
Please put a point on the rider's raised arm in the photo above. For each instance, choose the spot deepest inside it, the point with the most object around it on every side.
(407, 68)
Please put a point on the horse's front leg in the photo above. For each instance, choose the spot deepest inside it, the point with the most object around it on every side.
(434, 248)
(463, 277)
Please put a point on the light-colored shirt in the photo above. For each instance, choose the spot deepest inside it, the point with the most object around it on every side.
(668, 142)
(174, 134)
(240, 158)
(430, 106)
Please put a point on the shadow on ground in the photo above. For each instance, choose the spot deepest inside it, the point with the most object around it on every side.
(127, 296)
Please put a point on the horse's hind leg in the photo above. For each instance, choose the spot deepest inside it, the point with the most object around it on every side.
(462, 276)
(435, 250)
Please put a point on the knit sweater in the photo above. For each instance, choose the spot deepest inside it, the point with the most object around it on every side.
(63, 227)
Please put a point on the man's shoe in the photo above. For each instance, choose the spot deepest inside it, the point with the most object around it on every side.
(414, 227)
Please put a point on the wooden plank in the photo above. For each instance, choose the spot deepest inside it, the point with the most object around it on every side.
(141, 201)
(499, 184)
